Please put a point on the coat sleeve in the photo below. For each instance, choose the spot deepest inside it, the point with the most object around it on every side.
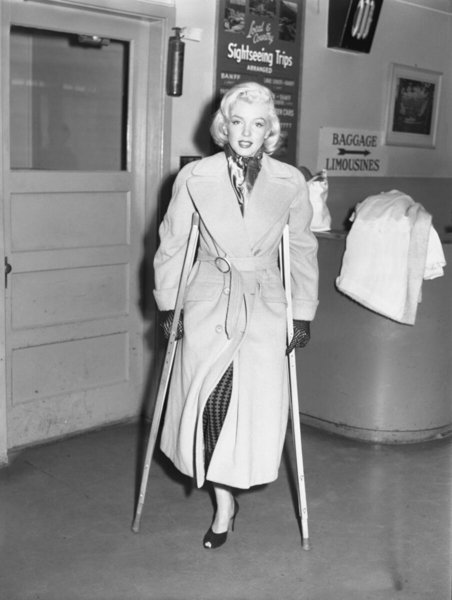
(303, 254)
(174, 232)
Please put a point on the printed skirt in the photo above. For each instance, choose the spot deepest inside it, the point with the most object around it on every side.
(215, 413)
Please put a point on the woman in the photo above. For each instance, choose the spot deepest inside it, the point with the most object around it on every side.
(227, 408)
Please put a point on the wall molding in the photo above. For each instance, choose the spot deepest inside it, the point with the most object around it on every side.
(378, 436)
(131, 8)
(414, 4)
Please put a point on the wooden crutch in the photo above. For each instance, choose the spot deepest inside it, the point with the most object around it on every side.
(167, 366)
(293, 388)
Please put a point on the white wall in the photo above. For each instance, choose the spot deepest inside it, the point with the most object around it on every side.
(198, 83)
(339, 89)
(342, 89)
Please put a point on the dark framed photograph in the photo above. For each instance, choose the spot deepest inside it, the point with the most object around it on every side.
(413, 106)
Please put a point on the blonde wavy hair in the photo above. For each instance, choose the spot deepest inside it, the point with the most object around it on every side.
(253, 93)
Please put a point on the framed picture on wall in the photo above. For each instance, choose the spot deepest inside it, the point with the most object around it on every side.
(412, 107)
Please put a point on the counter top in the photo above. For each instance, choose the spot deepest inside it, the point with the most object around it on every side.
(341, 234)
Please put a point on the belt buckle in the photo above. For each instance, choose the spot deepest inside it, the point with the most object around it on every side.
(222, 264)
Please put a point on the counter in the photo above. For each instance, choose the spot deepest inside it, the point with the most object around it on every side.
(368, 377)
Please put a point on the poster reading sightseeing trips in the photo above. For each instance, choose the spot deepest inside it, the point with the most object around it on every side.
(260, 40)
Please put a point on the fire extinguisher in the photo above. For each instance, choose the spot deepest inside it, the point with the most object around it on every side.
(175, 72)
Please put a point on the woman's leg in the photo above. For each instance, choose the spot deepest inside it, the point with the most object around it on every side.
(225, 508)
(213, 417)
(225, 514)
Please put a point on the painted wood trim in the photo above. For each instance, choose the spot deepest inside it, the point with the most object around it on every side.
(138, 8)
(4, 136)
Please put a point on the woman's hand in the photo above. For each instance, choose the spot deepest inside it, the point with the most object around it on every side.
(167, 317)
(301, 335)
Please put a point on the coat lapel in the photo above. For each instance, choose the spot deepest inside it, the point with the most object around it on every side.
(215, 199)
(270, 199)
(216, 202)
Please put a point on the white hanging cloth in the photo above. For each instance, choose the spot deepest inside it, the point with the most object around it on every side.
(391, 248)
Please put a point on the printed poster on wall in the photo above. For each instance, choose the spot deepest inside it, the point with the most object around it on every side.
(260, 40)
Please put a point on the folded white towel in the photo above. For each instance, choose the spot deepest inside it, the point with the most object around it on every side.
(391, 247)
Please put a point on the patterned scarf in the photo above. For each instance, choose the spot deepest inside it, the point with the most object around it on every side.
(243, 172)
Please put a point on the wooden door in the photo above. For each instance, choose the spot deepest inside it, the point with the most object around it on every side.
(74, 209)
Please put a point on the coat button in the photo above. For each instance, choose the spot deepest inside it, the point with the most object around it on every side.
(226, 291)
(218, 328)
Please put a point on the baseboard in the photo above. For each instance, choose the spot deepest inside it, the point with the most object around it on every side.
(378, 436)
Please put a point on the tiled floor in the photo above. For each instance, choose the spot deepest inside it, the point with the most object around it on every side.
(379, 524)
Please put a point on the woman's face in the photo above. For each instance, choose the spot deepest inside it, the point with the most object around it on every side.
(248, 126)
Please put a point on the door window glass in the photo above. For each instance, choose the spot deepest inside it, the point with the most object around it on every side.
(68, 101)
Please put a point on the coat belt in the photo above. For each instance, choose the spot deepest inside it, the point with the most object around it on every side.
(233, 267)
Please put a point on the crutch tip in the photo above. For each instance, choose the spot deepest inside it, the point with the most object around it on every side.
(306, 544)
(135, 527)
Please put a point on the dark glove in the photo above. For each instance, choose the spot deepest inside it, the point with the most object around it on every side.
(301, 335)
(167, 317)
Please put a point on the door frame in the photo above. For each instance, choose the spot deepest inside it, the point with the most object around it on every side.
(150, 145)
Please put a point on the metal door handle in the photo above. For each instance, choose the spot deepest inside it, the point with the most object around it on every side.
(8, 269)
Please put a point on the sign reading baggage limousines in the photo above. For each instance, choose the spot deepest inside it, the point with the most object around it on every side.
(260, 40)
(351, 152)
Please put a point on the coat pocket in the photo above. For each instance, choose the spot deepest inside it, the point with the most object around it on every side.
(198, 291)
(272, 290)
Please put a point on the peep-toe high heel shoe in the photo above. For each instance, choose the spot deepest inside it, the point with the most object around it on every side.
(215, 540)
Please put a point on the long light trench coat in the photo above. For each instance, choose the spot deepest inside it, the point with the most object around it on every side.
(237, 317)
